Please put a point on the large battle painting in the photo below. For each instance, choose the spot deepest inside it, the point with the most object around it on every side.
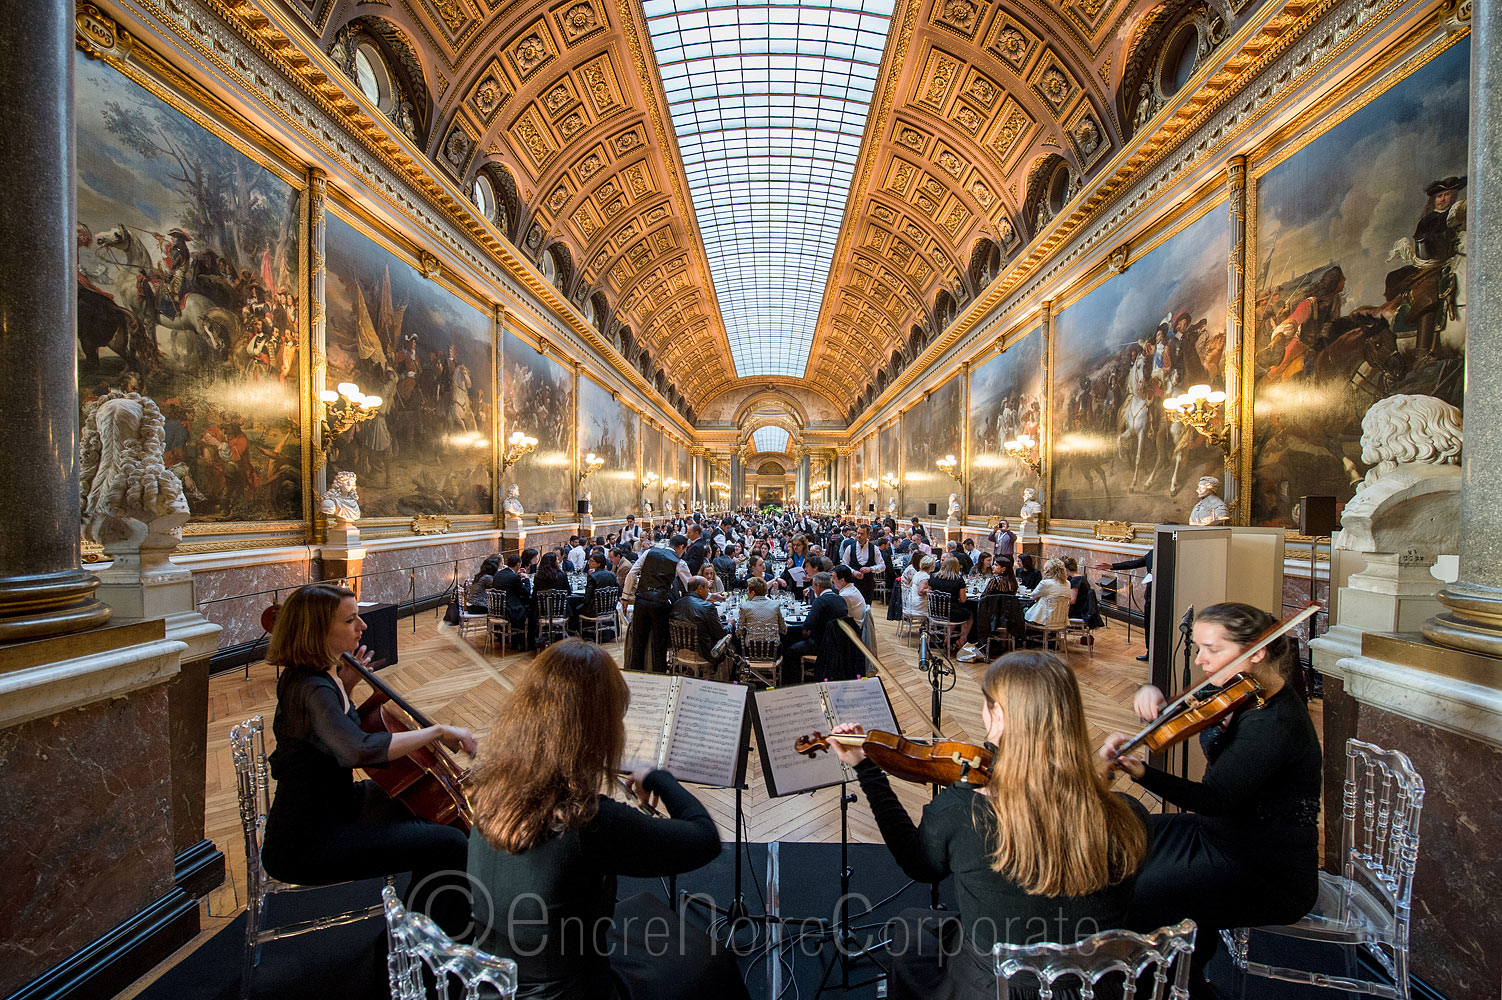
(1140, 337)
(607, 427)
(1006, 400)
(651, 461)
(1360, 283)
(538, 395)
(888, 447)
(931, 430)
(427, 353)
(188, 276)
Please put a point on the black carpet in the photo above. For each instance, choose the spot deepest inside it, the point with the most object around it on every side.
(349, 962)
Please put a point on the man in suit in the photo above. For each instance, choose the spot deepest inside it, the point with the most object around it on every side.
(725, 566)
(599, 576)
(966, 555)
(517, 590)
(1144, 561)
(824, 609)
(658, 576)
(576, 555)
(696, 609)
(698, 549)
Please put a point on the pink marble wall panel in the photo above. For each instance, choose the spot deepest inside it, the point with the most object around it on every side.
(543, 539)
(79, 860)
(1087, 557)
(225, 595)
(388, 575)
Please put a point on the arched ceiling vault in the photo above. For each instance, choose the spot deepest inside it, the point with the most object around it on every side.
(972, 98)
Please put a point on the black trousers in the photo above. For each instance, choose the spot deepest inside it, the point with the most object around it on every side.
(1187, 875)
(649, 635)
(384, 838)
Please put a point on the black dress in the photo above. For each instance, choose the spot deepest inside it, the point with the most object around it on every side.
(959, 611)
(1246, 853)
(552, 909)
(325, 826)
(955, 838)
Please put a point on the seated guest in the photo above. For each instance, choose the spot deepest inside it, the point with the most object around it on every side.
(1083, 604)
(1042, 851)
(822, 610)
(548, 845)
(982, 567)
(622, 558)
(517, 588)
(949, 580)
(547, 578)
(855, 603)
(716, 585)
(1052, 588)
(696, 608)
(759, 613)
(482, 581)
(915, 580)
(1027, 574)
(965, 553)
(599, 576)
(1003, 580)
(575, 555)
(725, 565)
(529, 562)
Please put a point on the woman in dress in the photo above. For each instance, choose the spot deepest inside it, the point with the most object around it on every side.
(949, 580)
(1051, 589)
(324, 826)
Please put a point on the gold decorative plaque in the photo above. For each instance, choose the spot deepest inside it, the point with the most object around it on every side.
(430, 524)
(545, 517)
(1114, 531)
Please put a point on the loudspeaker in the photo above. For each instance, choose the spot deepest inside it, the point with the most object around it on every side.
(870, 506)
(1317, 516)
(933, 510)
(583, 507)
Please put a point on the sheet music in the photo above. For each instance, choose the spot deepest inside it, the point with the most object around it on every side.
(650, 695)
(783, 715)
(704, 744)
(864, 702)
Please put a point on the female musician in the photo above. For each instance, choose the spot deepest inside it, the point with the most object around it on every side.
(547, 845)
(324, 826)
(1245, 853)
(1043, 852)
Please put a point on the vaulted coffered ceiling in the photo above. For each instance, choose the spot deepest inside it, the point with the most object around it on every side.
(762, 192)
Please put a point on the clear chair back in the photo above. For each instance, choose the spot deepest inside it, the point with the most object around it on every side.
(1120, 958)
(414, 941)
(247, 742)
(1383, 799)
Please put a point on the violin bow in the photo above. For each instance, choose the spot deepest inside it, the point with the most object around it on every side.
(1222, 675)
(385, 689)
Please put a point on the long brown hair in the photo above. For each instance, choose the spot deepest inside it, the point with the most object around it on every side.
(1059, 829)
(300, 637)
(1243, 623)
(557, 738)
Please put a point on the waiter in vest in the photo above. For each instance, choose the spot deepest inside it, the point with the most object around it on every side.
(657, 578)
(866, 559)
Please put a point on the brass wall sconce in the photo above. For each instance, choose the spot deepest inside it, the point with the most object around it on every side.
(949, 465)
(343, 407)
(1202, 409)
(889, 479)
(592, 464)
(1024, 449)
(517, 445)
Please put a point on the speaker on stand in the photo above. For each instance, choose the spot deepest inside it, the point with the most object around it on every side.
(1317, 519)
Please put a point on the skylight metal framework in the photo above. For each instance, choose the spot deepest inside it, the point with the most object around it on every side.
(769, 102)
(770, 439)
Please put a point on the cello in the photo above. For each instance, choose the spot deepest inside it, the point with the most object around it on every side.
(428, 781)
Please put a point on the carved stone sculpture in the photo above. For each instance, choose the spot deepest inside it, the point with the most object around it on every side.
(892, 505)
(1210, 509)
(132, 504)
(342, 502)
(512, 506)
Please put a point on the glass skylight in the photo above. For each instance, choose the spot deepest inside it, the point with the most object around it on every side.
(769, 102)
(770, 439)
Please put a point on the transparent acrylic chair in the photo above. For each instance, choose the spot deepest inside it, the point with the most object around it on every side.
(414, 941)
(1367, 905)
(1080, 967)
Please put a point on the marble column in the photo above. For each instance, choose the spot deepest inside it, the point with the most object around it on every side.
(737, 480)
(43, 588)
(1473, 616)
(803, 479)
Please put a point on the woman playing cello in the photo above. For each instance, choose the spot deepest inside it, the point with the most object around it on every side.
(324, 826)
(1244, 852)
(1042, 852)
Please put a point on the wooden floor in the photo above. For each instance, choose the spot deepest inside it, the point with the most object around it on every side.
(454, 680)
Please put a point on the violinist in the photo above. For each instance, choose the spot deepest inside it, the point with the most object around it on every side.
(1041, 852)
(1245, 851)
(548, 845)
(324, 826)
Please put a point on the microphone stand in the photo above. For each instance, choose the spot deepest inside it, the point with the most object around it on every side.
(1186, 630)
(938, 669)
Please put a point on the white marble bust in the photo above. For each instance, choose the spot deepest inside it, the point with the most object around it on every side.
(1032, 510)
(342, 501)
(1210, 509)
(954, 506)
(513, 503)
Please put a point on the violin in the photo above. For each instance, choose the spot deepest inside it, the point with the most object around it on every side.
(428, 781)
(924, 762)
(1190, 713)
